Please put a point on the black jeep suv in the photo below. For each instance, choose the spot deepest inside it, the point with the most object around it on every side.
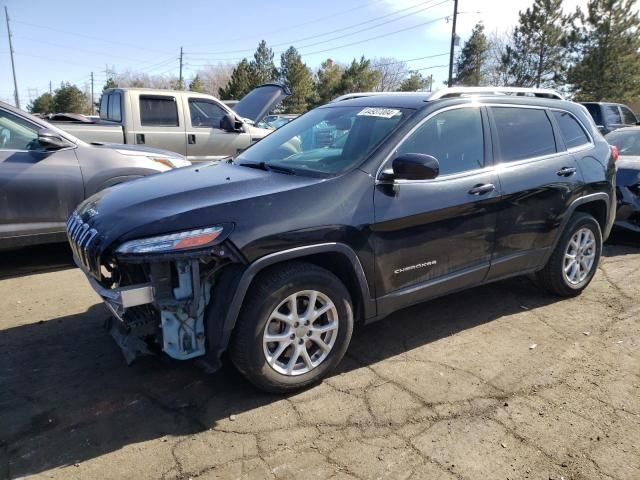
(350, 212)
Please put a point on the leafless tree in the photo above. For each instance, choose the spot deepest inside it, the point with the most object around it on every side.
(392, 73)
(214, 77)
(497, 68)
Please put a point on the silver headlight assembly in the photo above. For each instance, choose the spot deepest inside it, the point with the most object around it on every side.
(172, 242)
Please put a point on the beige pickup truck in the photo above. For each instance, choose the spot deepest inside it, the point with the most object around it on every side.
(196, 125)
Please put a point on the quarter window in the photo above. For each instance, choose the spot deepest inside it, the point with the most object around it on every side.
(573, 133)
(523, 133)
(158, 111)
(455, 138)
(205, 113)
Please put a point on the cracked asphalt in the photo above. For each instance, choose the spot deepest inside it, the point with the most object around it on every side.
(450, 389)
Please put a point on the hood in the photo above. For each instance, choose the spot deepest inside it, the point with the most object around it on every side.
(181, 199)
(261, 100)
(166, 157)
(628, 170)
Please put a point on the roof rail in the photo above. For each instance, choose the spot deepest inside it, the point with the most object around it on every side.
(349, 96)
(480, 91)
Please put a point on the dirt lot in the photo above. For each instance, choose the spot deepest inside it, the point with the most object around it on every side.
(452, 389)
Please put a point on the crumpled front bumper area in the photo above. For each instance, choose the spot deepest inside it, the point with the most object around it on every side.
(628, 207)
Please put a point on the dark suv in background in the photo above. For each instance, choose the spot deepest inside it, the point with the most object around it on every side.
(277, 252)
(611, 116)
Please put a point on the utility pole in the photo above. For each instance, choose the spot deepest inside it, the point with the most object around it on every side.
(180, 81)
(50, 88)
(13, 66)
(93, 111)
(453, 42)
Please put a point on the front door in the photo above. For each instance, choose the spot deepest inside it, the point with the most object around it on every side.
(38, 189)
(437, 235)
(158, 124)
(539, 179)
(205, 140)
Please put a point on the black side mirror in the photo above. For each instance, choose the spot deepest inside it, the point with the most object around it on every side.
(228, 123)
(50, 140)
(412, 166)
(601, 129)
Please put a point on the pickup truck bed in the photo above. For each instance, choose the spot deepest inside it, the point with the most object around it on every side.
(99, 132)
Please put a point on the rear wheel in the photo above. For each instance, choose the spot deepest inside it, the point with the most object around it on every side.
(575, 259)
(294, 328)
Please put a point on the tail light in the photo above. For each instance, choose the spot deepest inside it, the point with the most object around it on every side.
(615, 153)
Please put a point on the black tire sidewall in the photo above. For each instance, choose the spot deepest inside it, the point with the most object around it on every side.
(264, 303)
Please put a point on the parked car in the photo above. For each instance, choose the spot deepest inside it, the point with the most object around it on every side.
(627, 143)
(196, 125)
(45, 173)
(611, 116)
(274, 254)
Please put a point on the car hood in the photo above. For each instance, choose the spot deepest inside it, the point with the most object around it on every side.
(258, 102)
(629, 161)
(628, 170)
(182, 199)
(135, 150)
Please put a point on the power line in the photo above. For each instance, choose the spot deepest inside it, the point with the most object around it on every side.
(348, 27)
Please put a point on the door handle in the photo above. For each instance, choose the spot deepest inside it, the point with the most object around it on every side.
(566, 171)
(481, 189)
(191, 139)
(140, 138)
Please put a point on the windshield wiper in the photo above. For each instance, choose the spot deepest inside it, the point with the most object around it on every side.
(267, 167)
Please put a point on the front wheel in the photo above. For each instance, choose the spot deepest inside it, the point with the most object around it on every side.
(575, 259)
(294, 328)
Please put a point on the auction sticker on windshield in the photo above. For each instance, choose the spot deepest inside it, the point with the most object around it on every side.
(379, 112)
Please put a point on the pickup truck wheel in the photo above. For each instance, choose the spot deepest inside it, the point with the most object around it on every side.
(295, 327)
(575, 259)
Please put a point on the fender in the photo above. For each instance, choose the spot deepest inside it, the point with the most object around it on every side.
(569, 213)
(219, 335)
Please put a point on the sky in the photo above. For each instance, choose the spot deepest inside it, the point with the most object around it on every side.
(66, 40)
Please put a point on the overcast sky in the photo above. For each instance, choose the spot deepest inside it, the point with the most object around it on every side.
(66, 40)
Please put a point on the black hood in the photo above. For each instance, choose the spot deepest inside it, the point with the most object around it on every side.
(256, 104)
(182, 199)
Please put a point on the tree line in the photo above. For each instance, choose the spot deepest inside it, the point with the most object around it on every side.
(591, 54)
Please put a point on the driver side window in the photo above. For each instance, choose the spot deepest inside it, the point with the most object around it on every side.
(454, 137)
(17, 134)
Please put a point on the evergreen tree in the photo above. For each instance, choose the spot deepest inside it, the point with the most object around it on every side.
(196, 85)
(70, 99)
(43, 104)
(328, 83)
(263, 70)
(110, 83)
(607, 46)
(239, 84)
(472, 59)
(413, 83)
(297, 77)
(358, 77)
(536, 56)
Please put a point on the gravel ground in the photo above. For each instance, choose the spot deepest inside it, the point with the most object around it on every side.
(451, 389)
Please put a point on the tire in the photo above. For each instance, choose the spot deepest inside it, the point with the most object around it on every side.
(267, 312)
(553, 277)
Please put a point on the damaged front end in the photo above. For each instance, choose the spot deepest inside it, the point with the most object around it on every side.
(157, 288)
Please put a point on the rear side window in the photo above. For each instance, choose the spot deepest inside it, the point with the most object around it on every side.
(573, 134)
(628, 116)
(158, 111)
(594, 110)
(453, 137)
(523, 133)
(612, 115)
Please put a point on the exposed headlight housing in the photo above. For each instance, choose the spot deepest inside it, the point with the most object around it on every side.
(173, 242)
(171, 162)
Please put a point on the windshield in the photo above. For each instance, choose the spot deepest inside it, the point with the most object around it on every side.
(628, 142)
(325, 140)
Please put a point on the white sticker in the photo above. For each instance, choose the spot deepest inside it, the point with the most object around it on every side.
(379, 112)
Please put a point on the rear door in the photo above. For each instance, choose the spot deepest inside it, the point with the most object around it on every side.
(159, 123)
(432, 236)
(205, 139)
(539, 179)
(38, 189)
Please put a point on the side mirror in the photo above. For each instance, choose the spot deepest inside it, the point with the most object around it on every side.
(412, 166)
(601, 129)
(228, 123)
(50, 140)
(638, 122)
